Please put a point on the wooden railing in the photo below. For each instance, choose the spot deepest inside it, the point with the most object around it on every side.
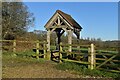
(90, 51)
(109, 59)
(95, 59)
(37, 47)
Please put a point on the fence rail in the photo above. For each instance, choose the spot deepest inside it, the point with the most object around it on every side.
(94, 59)
(37, 47)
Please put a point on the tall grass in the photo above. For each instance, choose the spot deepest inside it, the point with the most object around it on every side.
(83, 70)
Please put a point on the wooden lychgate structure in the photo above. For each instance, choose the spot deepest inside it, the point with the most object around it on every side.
(61, 22)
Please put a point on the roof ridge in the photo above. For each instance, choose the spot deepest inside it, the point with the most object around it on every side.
(59, 11)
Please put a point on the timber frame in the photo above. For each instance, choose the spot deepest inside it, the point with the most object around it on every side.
(61, 22)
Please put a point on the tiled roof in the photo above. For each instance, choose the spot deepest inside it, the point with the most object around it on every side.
(69, 19)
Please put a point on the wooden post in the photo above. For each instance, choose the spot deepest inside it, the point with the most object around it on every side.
(70, 40)
(37, 49)
(48, 55)
(44, 49)
(92, 58)
(14, 46)
(48, 40)
(60, 53)
(89, 57)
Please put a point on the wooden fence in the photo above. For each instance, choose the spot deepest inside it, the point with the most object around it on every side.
(84, 54)
(96, 59)
(37, 48)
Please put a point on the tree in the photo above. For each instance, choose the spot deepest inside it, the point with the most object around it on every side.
(16, 19)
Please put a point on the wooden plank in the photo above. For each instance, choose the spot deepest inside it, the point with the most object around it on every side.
(81, 62)
(110, 65)
(26, 41)
(107, 54)
(6, 40)
(80, 53)
(75, 45)
(106, 61)
(23, 41)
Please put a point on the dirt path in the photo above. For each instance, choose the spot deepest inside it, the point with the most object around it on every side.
(36, 70)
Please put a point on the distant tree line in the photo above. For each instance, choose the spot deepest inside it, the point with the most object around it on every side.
(107, 45)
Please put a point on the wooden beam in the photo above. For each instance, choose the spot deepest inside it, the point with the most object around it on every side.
(56, 23)
(59, 21)
(48, 40)
(65, 21)
(51, 21)
(81, 62)
(106, 61)
(107, 58)
(65, 30)
(70, 39)
(61, 26)
(53, 30)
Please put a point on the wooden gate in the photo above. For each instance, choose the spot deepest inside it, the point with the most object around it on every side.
(109, 61)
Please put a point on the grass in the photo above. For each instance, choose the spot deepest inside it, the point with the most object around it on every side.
(24, 58)
(11, 59)
(83, 70)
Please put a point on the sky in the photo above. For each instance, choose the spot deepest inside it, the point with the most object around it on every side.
(98, 19)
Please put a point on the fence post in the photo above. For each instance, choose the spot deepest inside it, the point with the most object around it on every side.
(89, 56)
(37, 49)
(44, 49)
(92, 57)
(60, 53)
(14, 45)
